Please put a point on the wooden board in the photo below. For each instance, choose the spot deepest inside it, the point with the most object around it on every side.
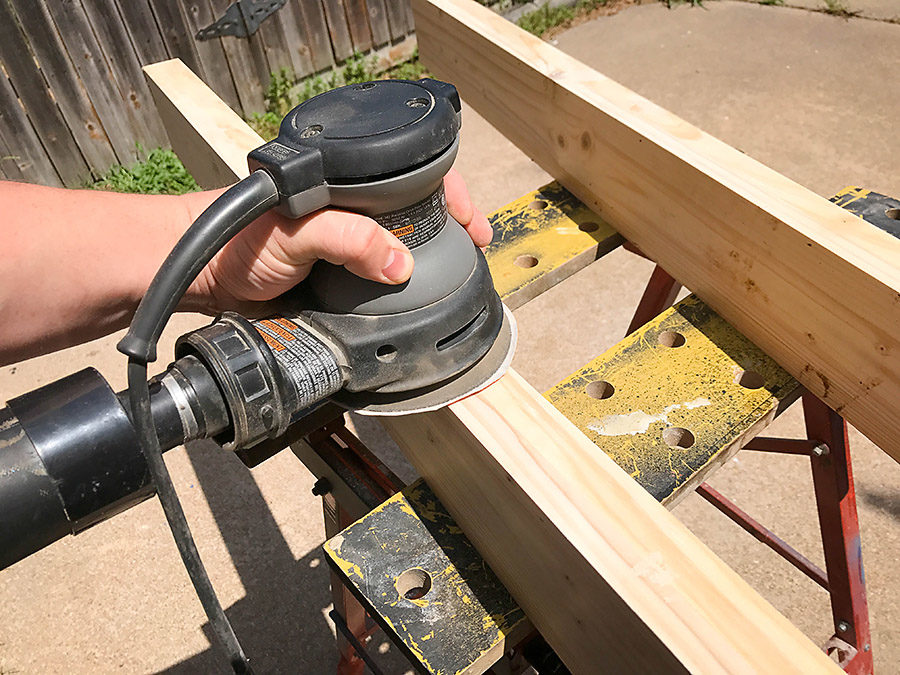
(397, 19)
(313, 17)
(45, 116)
(381, 32)
(63, 82)
(606, 573)
(249, 68)
(296, 39)
(211, 53)
(358, 22)
(125, 67)
(138, 19)
(22, 156)
(341, 43)
(213, 140)
(72, 28)
(813, 286)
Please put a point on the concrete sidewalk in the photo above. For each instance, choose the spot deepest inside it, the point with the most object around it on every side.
(811, 95)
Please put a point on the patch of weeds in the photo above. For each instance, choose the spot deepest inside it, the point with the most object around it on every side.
(770, 2)
(544, 18)
(162, 173)
(839, 8)
(413, 69)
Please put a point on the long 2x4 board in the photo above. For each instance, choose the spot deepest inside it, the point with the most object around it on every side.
(815, 287)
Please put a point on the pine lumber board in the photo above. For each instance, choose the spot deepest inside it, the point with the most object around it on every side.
(608, 576)
(611, 579)
(211, 139)
(813, 286)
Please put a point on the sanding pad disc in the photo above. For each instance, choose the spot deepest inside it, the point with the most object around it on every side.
(487, 370)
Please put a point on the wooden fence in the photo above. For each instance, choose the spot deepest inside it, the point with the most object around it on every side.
(73, 101)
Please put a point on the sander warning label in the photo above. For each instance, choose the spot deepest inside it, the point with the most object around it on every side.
(419, 222)
(306, 360)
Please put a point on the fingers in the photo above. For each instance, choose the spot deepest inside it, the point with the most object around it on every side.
(349, 239)
(273, 254)
(460, 206)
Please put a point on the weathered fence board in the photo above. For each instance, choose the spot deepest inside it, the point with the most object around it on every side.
(94, 77)
(358, 21)
(296, 39)
(397, 18)
(22, 157)
(317, 27)
(73, 99)
(125, 65)
(211, 53)
(381, 32)
(43, 113)
(337, 29)
(146, 38)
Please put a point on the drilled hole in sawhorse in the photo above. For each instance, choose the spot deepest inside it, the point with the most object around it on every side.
(749, 379)
(599, 389)
(670, 338)
(677, 437)
(414, 583)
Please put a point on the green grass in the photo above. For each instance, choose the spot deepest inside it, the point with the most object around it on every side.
(162, 173)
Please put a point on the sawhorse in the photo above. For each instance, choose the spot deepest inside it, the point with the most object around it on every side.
(415, 517)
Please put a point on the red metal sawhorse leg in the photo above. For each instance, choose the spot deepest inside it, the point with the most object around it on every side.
(832, 472)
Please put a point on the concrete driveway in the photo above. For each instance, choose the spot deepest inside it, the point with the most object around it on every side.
(812, 95)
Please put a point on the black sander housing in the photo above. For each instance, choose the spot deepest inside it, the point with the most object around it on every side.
(381, 149)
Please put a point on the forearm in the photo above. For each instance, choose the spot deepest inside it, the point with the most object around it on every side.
(75, 263)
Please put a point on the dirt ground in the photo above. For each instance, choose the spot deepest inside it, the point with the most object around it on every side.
(813, 96)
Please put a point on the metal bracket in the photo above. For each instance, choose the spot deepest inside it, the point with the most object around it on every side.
(241, 19)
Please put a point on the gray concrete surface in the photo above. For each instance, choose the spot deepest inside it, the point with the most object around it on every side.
(879, 10)
(812, 96)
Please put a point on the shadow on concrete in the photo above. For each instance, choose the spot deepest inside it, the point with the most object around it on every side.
(887, 502)
(280, 621)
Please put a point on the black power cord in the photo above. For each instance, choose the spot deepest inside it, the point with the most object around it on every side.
(219, 223)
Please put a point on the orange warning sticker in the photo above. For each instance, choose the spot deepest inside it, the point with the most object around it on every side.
(274, 344)
(403, 231)
(278, 330)
(287, 323)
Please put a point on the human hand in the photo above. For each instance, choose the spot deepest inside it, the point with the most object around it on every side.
(275, 253)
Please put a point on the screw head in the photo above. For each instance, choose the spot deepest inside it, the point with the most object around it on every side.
(311, 130)
(843, 626)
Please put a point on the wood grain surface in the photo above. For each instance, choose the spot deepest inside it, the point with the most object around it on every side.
(813, 286)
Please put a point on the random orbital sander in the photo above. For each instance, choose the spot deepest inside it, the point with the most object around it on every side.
(377, 148)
